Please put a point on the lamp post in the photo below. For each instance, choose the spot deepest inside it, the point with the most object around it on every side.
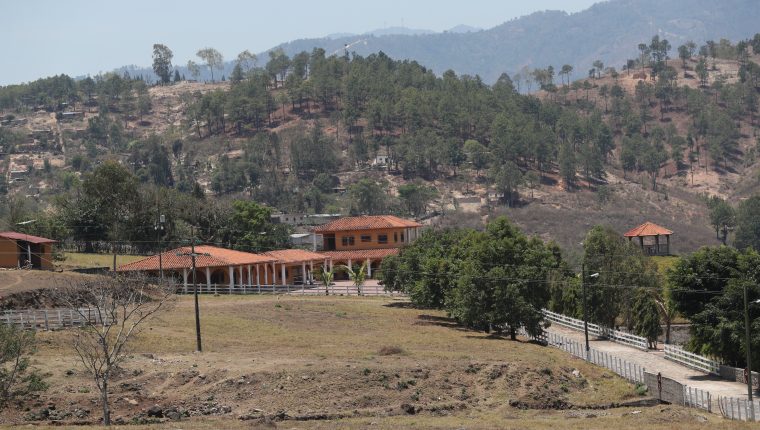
(585, 310)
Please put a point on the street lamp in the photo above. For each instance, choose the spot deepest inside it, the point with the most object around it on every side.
(585, 311)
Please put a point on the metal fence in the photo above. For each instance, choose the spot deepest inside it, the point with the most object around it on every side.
(50, 319)
(739, 409)
(691, 360)
(597, 330)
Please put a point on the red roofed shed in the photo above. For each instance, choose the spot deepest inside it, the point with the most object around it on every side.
(25, 250)
(649, 238)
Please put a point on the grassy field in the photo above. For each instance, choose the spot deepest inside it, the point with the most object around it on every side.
(339, 362)
(76, 260)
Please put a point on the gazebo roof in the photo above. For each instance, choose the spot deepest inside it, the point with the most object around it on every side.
(648, 229)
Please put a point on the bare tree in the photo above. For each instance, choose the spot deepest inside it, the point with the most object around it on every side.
(115, 309)
(16, 378)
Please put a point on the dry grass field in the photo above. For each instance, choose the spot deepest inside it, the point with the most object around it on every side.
(338, 362)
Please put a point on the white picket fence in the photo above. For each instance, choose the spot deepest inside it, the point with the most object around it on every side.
(739, 409)
(697, 398)
(49, 319)
(597, 330)
(691, 360)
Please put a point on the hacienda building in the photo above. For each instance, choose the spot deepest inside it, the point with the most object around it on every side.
(19, 250)
(370, 238)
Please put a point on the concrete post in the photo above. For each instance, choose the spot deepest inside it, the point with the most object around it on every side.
(184, 279)
(250, 278)
(258, 276)
(208, 279)
(303, 272)
(232, 278)
(284, 276)
(240, 276)
(369, 268)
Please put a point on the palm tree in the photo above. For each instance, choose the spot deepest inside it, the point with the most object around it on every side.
(357, 276)
(327, 278)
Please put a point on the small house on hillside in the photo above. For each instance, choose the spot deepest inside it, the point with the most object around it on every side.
(19, 250)
(650, 237)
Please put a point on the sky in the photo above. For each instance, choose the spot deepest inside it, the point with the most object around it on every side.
(79, 37)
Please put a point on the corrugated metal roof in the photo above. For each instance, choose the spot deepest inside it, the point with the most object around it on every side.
(217, 257)
(648, 229)
(366, 222)
(12, 235)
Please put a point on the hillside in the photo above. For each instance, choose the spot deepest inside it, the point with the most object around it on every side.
(371, 135)
(608, 31)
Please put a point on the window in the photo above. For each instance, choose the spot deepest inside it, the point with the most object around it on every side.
(395, 237)
(347, 240)
(382, 238)
(366, 238)
(402, 236)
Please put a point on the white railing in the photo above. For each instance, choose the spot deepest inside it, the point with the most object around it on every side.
(49, 319)
(739, 409)
(628, 370)
(597, 330)
(311, 290)
(691, 360)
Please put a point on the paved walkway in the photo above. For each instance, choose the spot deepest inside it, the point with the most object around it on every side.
(654, 361)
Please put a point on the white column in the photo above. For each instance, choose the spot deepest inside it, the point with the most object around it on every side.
(266, 274)
(349, 264)
(232, 277)
(284, 277)
(274, 273)
(369, 268)
(208, 279)
(331, 264)
(303, 272)
(184, 278)
(250, 278)
(258, 276)
(240, 276)
(311, 271)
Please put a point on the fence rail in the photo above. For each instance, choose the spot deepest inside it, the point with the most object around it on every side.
(628, 370)
(739, 409)
(691, 360)
(49, 319)
(310, 290)
(697, 398)
(597, 330)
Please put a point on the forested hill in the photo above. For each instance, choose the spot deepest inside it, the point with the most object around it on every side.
(608, 31)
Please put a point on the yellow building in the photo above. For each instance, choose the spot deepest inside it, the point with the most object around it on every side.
(368, 238)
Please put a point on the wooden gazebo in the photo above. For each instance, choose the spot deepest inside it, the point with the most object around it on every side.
(649, 235)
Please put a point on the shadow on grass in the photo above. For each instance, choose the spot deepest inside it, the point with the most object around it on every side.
(404, 305)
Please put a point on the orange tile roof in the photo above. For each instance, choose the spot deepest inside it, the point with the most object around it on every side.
(366, 222)
(648, 229)
(217, 257)
(291, 256)
(12, 235)
(361, 254)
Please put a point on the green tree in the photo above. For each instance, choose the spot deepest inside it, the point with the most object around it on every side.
(646, 317)
(194, 69)
(212, 58)
(357, 275)
(162, 62)
(477, 155)
(253, 228)
(367, 197)
(415, 197)
(722, 217)
(507, 178)
(748, 224)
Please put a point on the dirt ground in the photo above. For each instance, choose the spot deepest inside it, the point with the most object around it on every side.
(316, 358)
(22, 288)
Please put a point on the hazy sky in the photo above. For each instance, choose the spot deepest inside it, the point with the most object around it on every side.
(47, 37)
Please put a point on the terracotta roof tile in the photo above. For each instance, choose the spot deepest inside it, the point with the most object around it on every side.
(361, 254)
(366, 222)
(647, 229)
(217, 257)
(12, 235)
(290, 256)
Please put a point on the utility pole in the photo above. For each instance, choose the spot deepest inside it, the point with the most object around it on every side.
(585, 311)
(192, 255)
(159, 231)
(749, 355)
